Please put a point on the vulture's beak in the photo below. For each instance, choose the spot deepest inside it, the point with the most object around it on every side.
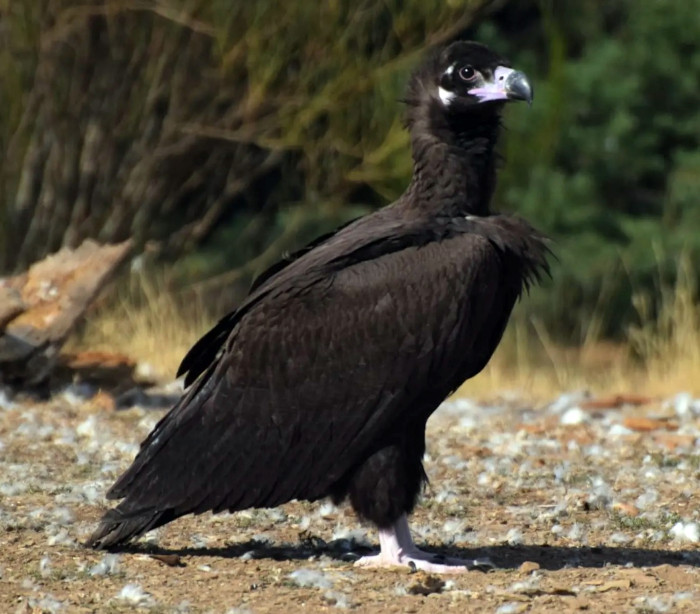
(507, 84)
(518, 87)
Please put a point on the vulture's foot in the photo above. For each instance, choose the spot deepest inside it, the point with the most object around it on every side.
(416, 559)
(396, 549)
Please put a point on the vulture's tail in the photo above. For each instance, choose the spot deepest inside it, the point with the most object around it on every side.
(141, 510)
(119, 526)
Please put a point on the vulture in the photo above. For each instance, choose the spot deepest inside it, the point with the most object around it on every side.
(320, 383)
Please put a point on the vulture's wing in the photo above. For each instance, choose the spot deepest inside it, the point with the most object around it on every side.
(316, 370)
(204, 352)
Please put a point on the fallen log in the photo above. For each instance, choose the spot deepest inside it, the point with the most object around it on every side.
(40, 308)
(11, 304)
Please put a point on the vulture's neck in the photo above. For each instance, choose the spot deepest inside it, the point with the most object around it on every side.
(454, 171)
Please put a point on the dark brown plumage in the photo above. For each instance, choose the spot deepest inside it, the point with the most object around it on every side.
(321, 382)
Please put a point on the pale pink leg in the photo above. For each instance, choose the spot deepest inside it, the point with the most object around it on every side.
(396, 548)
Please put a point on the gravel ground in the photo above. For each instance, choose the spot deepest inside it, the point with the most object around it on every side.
(580, 504)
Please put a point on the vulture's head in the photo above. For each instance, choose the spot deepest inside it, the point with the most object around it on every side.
(464, 79)
(469, 73)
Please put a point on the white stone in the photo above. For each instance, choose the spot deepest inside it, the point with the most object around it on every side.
(574, 416)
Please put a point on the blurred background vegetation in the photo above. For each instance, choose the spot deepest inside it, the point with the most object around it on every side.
(221, 134)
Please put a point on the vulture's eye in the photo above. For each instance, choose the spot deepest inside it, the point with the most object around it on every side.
(467, 73)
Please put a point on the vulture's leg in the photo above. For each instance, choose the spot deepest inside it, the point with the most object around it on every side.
(396, 547)
(384, 490)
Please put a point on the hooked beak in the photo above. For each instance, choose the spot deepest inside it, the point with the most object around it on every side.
(507, 84)
(518, 87)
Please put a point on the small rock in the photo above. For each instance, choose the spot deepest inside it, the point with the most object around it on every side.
(108, 565)
(133, 594)
(672, 441)
(647, 498)
(625, 508)
(619, 429)
(574, 416)
(513, 608)
(682, 404)
(562, 591)
(103, 401)
(171, 560)
(686, 531)
(565, 401)
(644, 425)
(617, 401)
(613, 585)
(6, 399)
(619, 538)
(528, 567)
(337, 599)
(640, 577)
(514, 537)
(425, 584)
(88, 428)
(327, 510)
(45, 568)
(310, 578)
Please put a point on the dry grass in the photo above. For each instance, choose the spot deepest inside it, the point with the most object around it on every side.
(145, 321)
(525, 365)
(670, 342)
(660, 356)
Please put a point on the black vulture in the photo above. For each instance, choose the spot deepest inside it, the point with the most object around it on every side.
(321, 382)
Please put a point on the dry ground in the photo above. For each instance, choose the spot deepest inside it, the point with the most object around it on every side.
(579, 508)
